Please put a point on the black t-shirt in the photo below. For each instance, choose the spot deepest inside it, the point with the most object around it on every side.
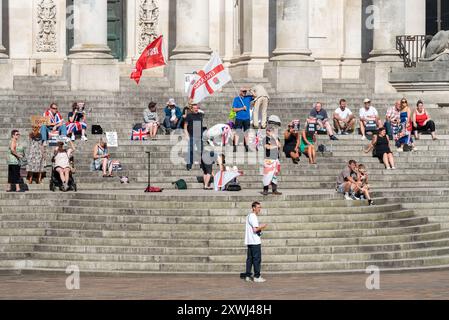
(272, 154)
(78, 116)
(194, 119)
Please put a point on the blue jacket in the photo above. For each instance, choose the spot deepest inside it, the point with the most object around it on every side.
(168, 112)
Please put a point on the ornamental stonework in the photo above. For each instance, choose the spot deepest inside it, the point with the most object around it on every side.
(148, 23)
(46, 21)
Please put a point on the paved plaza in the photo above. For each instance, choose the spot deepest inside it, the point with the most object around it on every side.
(406, 285)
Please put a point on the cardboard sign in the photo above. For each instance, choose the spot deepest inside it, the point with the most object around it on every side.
(39, 121)
(112, 139)
(189, 80)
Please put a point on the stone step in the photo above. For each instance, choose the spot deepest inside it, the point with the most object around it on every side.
(309, 267)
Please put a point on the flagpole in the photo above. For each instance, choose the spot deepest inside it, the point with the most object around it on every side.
(238, 93)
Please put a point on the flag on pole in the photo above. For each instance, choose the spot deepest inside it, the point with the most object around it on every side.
(208, 80)
(151, 57)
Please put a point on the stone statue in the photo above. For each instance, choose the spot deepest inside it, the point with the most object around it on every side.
(46, 20)
(148, 22)
(438, 48)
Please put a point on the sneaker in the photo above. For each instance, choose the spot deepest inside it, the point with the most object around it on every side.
(83, 138)
(370, 202)
(363, 138)
(345, 133)
(189, 167)
(248, 279)
(353, 197)
(388, 168)
(265, 193)
(393, 168)
(260, 279)
(347, 197)
(334, 138)
(277, 193)
(73, 137)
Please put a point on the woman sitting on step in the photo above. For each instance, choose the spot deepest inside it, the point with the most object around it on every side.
(102, 159)
(422, 122)
(382, 151)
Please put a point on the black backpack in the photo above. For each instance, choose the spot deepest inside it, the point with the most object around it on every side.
(180, 184)
(233, 186)
(97, 129)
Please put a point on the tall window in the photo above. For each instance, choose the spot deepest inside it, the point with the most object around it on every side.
(437, 16)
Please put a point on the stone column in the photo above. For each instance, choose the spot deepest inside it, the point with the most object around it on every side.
(91, 27)
(92, 67)
(2, 48)
(292, 60)
(254, 28)
(6, 71)
(389, 22)
(192, 40)
(352, 57)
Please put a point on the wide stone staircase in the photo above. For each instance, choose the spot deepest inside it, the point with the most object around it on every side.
(110, 227)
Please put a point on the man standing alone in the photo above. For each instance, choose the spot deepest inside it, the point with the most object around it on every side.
(253, 243)
(261, 99)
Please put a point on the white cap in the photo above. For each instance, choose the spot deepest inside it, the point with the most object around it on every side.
(366, 100)
(171, 102)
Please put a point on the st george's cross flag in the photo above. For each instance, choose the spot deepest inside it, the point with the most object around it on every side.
(151, 57)
(208, 80)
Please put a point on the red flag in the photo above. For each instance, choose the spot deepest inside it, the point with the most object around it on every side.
(151, 57)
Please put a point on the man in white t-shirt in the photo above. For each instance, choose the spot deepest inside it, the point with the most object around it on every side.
(367, 114)
(252, 241)
(344, 120)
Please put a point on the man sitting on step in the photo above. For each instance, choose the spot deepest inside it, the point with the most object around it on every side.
(347, 185)
(56, 121)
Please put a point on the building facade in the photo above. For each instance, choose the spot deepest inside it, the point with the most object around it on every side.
(285, 41)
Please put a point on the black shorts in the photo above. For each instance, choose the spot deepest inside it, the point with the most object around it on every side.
(207, 168)
(242, 124)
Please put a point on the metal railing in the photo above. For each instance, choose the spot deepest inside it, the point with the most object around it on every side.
(411, 48)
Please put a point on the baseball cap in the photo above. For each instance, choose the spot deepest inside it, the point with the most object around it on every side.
(171, 102)
(366, 100)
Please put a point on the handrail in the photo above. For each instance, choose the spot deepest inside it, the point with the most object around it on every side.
(411, 48)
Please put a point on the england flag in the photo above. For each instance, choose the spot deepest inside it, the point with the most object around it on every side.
(208, 80)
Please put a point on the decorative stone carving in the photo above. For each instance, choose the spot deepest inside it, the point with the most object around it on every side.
(148, 23)
(438, 48)
(46, 20)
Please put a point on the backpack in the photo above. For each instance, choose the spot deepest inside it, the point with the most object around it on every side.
(233, 186)
(97, 129)
(180, 184)
(407, 148)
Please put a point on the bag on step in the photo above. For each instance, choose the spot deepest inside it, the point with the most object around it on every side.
(180, 184)
(97, 129)
(233, 186)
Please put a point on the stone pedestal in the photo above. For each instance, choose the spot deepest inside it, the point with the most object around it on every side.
(49, 67)
(94, 74)
(6, 75)
(376, 75)
(427, 76)
(295, 76)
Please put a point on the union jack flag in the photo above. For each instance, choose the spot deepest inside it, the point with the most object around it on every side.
(139, 134)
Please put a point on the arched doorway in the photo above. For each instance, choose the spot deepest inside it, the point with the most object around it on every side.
(437, 16)
(116, 27)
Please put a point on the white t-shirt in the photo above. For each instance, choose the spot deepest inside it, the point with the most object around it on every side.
(343, 114)
(252, 238)
(370, 113)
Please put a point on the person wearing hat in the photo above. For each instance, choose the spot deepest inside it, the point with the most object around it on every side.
(368, 113)
(173, 115)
